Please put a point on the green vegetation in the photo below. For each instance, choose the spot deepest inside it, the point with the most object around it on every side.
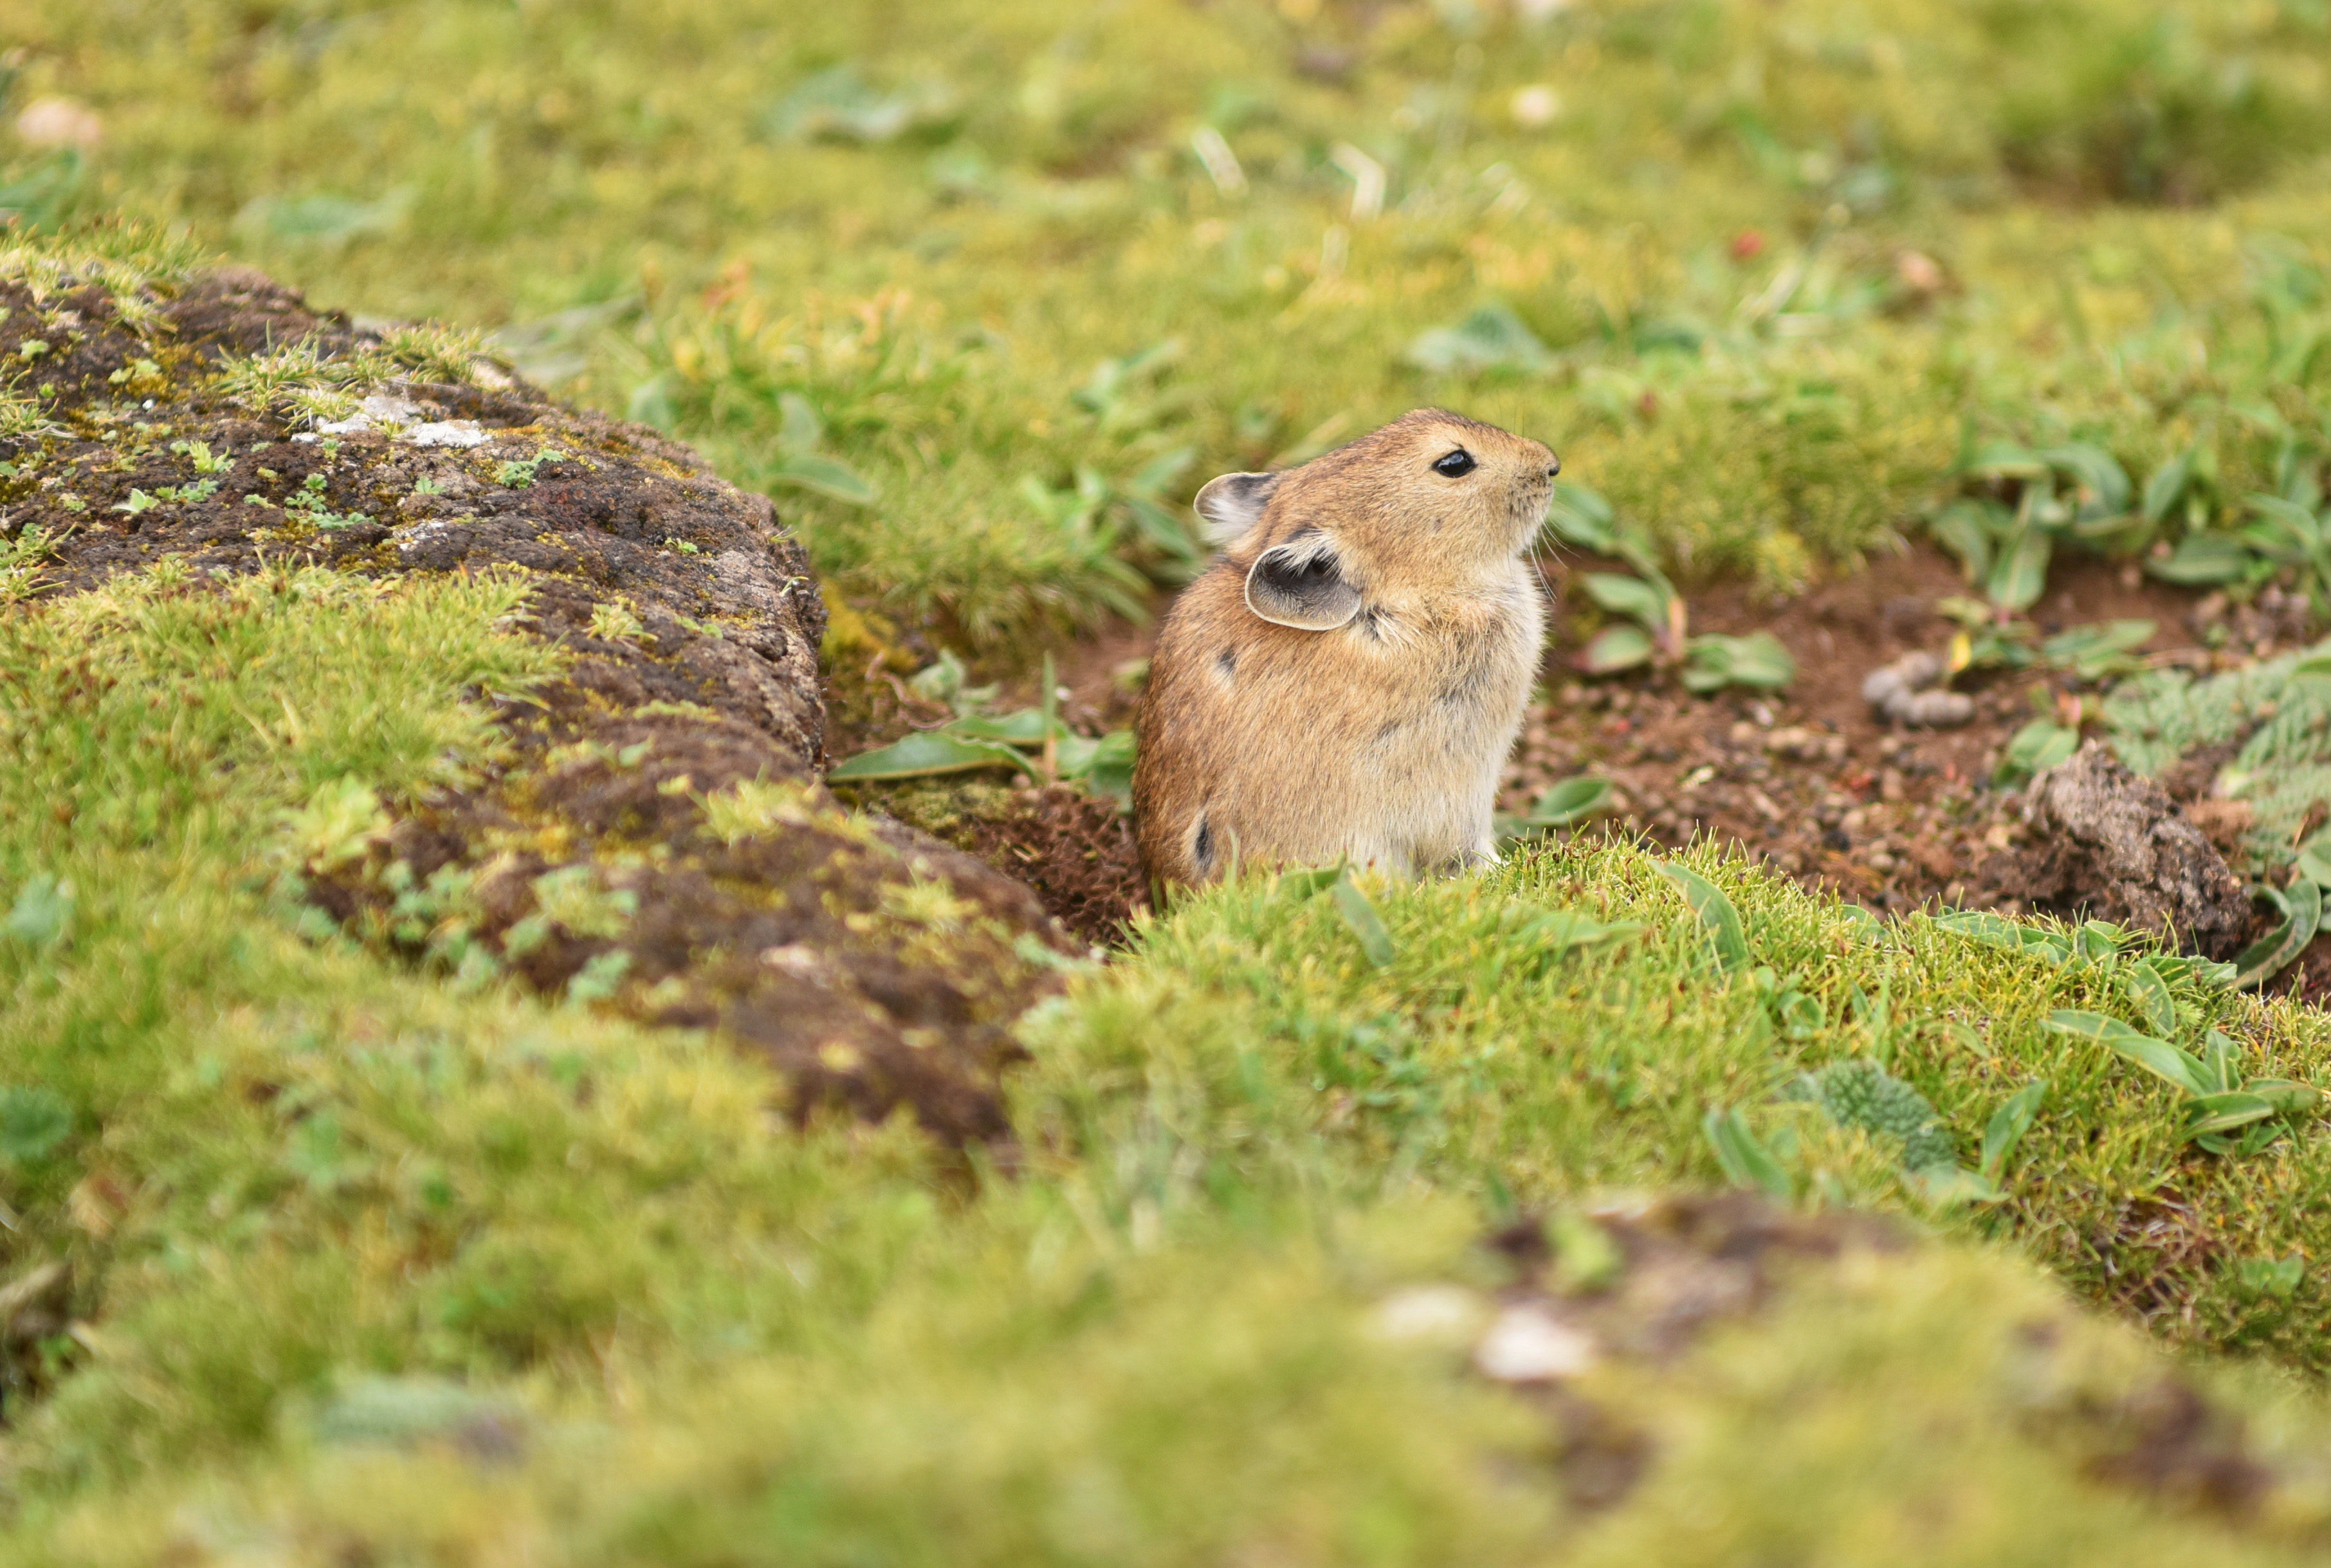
(300, 1193)
(984, 299)
(367, 1264)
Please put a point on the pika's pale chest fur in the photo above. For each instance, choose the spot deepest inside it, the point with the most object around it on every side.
(1347, 677)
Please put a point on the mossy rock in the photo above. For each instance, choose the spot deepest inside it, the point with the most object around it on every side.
(654, 837)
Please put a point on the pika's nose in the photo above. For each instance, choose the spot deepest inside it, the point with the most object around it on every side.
(1553, 465)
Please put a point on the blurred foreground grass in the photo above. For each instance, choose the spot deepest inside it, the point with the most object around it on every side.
(371, 1266)
(1763, 274)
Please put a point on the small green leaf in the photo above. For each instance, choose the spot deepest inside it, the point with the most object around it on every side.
(1581, 516)
(1107, 769)
(1559, 931)
(2220, 1112)
(1713, 661)
(2168, 486)
(826, 476)
(929, 752)
(2157, 1057)
(1616, 648)
(1998, 931)
(2203, 560)
(2020, 573)
(1025, 727)
(1746, 1161)
(1630, 596)
(2276, 1277)
(2036, 747)
(2151, 995)
(2272, 953)
(1573, 800)
(1305, 881)
(2287, 1098)
(1360, 915)
(1715, 911)
(1966, 528)
(2005, 1131)
(42, 912)
(33, 1122)
(601, 976)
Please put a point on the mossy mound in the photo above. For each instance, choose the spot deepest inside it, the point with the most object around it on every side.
(652, 835)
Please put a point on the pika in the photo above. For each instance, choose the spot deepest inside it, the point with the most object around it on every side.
(1347, 677)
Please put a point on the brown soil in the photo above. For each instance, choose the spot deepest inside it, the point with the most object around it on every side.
(1814, 780)
(874, 967)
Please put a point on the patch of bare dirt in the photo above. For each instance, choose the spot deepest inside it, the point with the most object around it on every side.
(1822, 786)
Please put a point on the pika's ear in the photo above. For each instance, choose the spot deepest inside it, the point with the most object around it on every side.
(1300, 583)
(1233, 503)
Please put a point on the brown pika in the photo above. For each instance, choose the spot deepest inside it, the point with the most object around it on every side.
(1347, 677)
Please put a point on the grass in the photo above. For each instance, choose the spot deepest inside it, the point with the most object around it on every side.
(338, 1232)
(1776, 275)
(367, 1266)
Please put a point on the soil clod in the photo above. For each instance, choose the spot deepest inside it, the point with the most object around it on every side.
(2112, 845)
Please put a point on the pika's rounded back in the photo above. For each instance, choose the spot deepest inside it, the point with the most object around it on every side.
(1347, 677)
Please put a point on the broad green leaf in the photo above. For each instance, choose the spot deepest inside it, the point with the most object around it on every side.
(1559, 931)
(1998, 931)
(799, 428)
(1360, 915)
(2020, 573)
(2268, 956)
(1714, 661)
(1109, 769)
(2219, 1112)
(2218, 1075)
(1024, 727)
(2287, 1098)
(2006, 460)
(1630, 596)
(42, 914)
(1573, 800)
(2203, 560)
(1582, 517)
(929, 752)
(2168, 486)
(2103, 482)
(2314, 866)
(1303, 881)
(827, 476)
(2188, 968)
(33, 1121)
(1966, 529)
(1746, 1161)
(2286, 531)
(2005, 1131)
(1715, 911)
(2035, 748)
(2276, 1277)
(2092, 652)
(2153, 997)
(1491, 339)
(2157, 1057)
(1616, 648)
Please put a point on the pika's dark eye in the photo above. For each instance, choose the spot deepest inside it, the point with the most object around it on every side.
(1456, 465)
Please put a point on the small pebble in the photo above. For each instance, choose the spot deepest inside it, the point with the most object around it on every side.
(1528, 1345)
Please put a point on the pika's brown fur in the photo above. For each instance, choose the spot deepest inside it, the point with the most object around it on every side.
(1346, 680)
